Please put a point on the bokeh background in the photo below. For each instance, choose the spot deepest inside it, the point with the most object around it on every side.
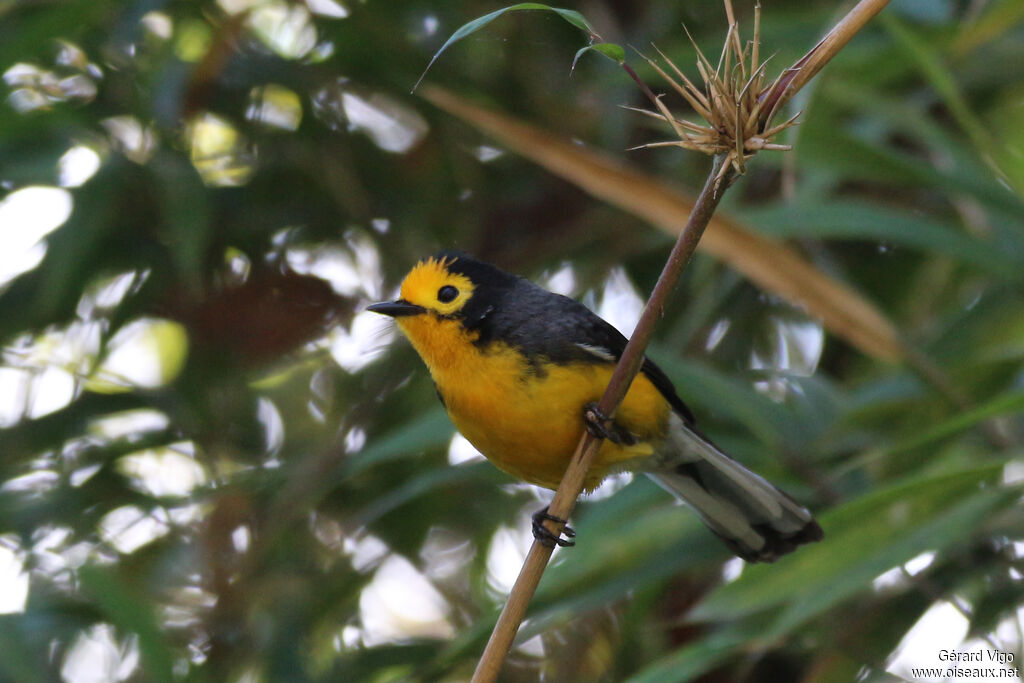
(215, 467)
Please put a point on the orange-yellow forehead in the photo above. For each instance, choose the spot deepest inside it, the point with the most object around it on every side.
(427, 277)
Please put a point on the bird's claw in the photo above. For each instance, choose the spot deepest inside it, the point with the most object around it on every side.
(596, 422)
(545, 536)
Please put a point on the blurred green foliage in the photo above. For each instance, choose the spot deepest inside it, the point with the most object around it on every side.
(263, 173)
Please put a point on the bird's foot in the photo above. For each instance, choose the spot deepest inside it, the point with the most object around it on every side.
(601, 426)
(545, 536)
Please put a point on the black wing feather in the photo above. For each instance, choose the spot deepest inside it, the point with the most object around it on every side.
(541, 323)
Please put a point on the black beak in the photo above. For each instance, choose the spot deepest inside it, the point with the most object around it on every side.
(396, 309)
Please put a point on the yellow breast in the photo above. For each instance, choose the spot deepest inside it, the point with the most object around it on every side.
(528, 420)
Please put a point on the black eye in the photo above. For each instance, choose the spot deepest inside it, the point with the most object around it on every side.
(447, 294)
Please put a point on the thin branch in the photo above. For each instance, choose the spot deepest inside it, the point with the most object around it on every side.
(629, 364)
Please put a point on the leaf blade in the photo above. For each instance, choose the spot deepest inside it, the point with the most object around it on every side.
(471, 27)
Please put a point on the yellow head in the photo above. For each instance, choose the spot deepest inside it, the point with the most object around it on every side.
(441, 300)
(433, 287)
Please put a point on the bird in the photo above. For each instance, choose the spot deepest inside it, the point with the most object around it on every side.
(519, 370)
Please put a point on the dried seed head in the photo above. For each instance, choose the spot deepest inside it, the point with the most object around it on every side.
(732, 100)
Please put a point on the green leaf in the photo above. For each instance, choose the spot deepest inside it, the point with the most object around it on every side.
(951, 524)
(863, 538)
(612, 51)
(431, 430)
(639, 528)
(614, 561)
(861, 220)
(852, 154)
(705, 389)
(995, 19)
(571, 16)
(689, 662)
(624, 544)
(427, 482)
(1001, 405)
(923, 52)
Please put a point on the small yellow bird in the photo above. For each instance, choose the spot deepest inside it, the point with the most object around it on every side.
(517, 366)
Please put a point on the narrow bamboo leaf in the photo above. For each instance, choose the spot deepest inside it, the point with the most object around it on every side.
(186, 212)
(965, 172)
(427, 482)
(861, 220)
(932, 66)
(995, 19)
(824, 145)
(571, 16)
(380, 663)
(610, 50)
(665, 535)
(703, 387)
(951, 523)
(687, 663)
(863, 538)
(1002, 405)
(433, 429)
(1001, 600)
(616, 559)
(624, 543)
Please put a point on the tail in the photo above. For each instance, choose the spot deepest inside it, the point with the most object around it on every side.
(756, 520)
